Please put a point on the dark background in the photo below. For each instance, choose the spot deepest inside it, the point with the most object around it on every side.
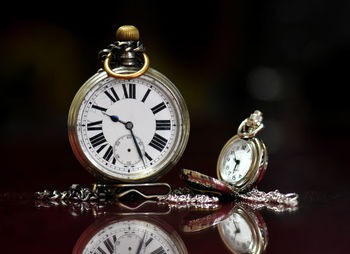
(288, 59)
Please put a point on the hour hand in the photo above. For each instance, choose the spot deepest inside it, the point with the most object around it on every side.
(236, 161)
(114, 118)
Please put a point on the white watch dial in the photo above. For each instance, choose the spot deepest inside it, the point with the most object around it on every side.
(128, 128)
(237, 233)
(236, 161)
(131, 236)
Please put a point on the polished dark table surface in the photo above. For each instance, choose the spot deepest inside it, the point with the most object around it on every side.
(319, 225)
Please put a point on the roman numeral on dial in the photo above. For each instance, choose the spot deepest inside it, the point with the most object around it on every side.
(100, 251)
(148, 157)
(148, 241)
(132, 91)
(158, 108)
(112, 95)
(97, 140)
(158, 142)
(146, 95)
(99, 108)
(162, 125)
(109, 245)
(94, 126)
(159, 250)
(108, 154)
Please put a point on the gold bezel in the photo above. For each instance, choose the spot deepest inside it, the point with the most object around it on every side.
(161, 168)
(257, 168)
(257, 227)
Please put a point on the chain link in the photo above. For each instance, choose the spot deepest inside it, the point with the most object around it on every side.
(186, 198)
(84, 198)
(119, 47)
(273, 200)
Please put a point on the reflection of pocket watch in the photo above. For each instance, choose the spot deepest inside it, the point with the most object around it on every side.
(128, 123)
(243, 160)
(136, 234)
(244, 231)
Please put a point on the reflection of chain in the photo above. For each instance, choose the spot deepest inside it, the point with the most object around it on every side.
(180, 198)
(76, 207)
(273, 200)
(77, 192)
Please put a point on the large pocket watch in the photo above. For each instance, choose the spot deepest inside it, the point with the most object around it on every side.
(128, 122)
(243, 159)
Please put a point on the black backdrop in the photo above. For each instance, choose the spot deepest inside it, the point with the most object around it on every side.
(287, 58)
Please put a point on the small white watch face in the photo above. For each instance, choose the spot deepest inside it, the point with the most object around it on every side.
(236, 161)
(131, 236)
(129, 129)
(237, 233)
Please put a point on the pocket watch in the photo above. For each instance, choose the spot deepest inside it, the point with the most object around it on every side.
(136, 234)
(128, 122)
(245, 231)
(243, 159)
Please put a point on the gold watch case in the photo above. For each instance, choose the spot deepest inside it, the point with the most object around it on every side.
(166, 163)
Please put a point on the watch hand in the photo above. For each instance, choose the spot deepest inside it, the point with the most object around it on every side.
(114, 118)
(138, 147)
(238, 230)
(141, 244)
(234, 169)
(236, 161)
(129, 126)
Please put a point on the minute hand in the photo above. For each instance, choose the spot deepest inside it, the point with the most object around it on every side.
(137, 147)
(129, 126)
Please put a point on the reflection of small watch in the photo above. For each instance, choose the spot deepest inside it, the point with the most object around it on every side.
(244, 231)
(243, 160)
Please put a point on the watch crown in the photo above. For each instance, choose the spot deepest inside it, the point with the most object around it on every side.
(127, 33)
(255, 119)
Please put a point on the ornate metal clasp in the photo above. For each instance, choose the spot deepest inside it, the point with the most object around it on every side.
(144, 190)
(124, 51)
(251, 126)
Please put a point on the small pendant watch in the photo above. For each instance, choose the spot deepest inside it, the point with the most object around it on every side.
(243, 160)
(128, 122)
(241, 166)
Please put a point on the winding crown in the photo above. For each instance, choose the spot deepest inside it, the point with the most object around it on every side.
(127, 33)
